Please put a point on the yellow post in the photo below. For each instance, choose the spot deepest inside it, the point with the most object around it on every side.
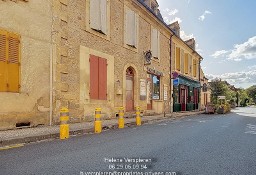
(64, 126)
(97, 122)
(138, 118)
(121, 118)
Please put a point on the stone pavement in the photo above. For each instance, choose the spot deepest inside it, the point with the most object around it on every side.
(28, 135)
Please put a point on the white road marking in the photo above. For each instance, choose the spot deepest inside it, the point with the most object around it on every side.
(251, 129)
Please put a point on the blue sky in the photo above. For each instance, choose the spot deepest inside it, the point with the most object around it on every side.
(225, 33)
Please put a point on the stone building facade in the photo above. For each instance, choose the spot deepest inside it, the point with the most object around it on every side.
(185, 73)
(25, 52)
(86, 54)
(116, 45)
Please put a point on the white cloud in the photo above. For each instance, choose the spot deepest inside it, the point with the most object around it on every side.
(168, 20)
(185, 36)
(237, 78)
(246, 50)
(189, 1)
(166, 10)
(252, 67)
(202, 17)
(173, 12)
(219, 53)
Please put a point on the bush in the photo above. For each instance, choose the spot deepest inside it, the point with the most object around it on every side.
(223, 108)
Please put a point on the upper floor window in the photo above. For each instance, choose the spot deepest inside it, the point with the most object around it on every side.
(131, 28)
(177, 58)
(98, 15)
(9, 62)
(155, 43)
(186, 63)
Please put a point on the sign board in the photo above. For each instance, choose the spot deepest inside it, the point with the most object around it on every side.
(176, 82)
(143, 89)
(222, 97)
(165, 92)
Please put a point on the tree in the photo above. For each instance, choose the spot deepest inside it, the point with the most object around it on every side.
(251, 91)
(221, 88)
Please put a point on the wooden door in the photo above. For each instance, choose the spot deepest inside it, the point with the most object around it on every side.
(183, 99)
(129, 90)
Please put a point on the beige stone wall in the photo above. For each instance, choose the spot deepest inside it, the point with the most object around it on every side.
(32, 21)
(71, 88)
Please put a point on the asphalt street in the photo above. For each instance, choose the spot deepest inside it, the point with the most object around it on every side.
(197, 145)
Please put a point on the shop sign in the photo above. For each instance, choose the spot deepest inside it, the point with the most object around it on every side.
(153, 71)
(143, 89)
(165, 92)
(176, 82)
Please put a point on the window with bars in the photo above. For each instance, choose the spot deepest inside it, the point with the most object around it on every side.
(9, 61)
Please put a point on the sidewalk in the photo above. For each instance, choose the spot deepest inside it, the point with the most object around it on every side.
(28, 135)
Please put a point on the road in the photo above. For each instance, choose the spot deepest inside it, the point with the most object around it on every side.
(197, 145)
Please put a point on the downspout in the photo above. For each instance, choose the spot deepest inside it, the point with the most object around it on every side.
(51, 72)
(199, 96)
(171, 96)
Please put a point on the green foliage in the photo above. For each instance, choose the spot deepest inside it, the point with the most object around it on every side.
(220, 88)
(251, 92)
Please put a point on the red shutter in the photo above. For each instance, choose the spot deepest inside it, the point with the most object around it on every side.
(3, 60)
(94, 77)
(102, 79)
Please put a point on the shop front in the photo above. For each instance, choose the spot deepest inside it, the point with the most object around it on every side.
(186, 93)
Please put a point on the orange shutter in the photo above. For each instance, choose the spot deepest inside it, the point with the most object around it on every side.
(13, 63)
(177, 58)
(102, 79)
(94, 77)
(186, 64)
(194, 68)
(3, 61)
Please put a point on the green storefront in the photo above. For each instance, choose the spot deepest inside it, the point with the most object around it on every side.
(186, 94)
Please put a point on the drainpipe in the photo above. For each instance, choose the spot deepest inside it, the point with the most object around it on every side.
(51, 72)
(199, 96)
(171, 97)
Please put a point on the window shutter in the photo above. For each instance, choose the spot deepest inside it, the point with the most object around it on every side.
(13, 63)
(154, 43)
(102, 79)
(177, 58)
(94, 77)
(129, 27)
(95, 15)
(3, 60)
(103, 16)
(136, 23)
(186, 64)
(194, 68)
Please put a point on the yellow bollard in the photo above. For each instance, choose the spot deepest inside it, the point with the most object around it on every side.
(138, 118)
(121, 118)
(64, 126)
(97, 122)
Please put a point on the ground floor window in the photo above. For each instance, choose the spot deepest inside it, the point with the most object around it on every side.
(156, 87)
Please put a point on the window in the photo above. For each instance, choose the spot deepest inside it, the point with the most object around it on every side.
(155, 43)
(194, 68)
(98, 78)
(177, 58)
(131, 29)
(9, 62)
(156, 87)
(98, 15)
(186, 64)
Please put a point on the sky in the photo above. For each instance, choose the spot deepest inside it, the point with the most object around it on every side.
(225, 34)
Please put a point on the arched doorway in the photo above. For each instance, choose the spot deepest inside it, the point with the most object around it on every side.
(129, 89)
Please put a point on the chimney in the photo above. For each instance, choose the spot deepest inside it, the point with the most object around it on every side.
(191, 43)
(175, 28)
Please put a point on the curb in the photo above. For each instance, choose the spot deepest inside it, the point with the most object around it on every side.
(32, 139)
